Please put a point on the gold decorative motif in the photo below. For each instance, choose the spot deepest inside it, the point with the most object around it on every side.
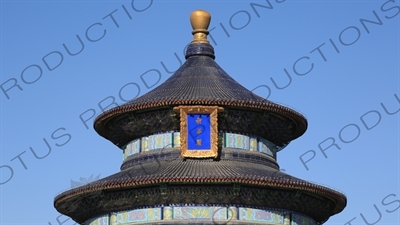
(198, 109)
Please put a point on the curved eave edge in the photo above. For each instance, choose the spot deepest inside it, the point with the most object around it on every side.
(335, 196)
(296, 117)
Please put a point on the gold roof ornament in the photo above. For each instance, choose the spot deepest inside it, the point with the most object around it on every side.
(200, 20)
(215, 118)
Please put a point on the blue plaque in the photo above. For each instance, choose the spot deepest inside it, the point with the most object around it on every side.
(199, 131)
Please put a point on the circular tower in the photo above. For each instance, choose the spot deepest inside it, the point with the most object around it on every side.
(200, 149)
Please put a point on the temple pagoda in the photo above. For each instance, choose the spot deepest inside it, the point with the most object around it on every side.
(200, 149)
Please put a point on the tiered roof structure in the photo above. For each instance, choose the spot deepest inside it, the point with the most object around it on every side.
(200, 149)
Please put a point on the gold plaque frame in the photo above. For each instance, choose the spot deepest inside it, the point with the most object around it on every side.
(213, 112)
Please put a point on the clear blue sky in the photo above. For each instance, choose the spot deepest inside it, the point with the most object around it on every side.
(344, 77)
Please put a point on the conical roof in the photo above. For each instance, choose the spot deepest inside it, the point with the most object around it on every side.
(191, 181)
(237, 177)
(200, 81)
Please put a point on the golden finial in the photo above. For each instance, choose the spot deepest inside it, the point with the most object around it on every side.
(200, 21)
